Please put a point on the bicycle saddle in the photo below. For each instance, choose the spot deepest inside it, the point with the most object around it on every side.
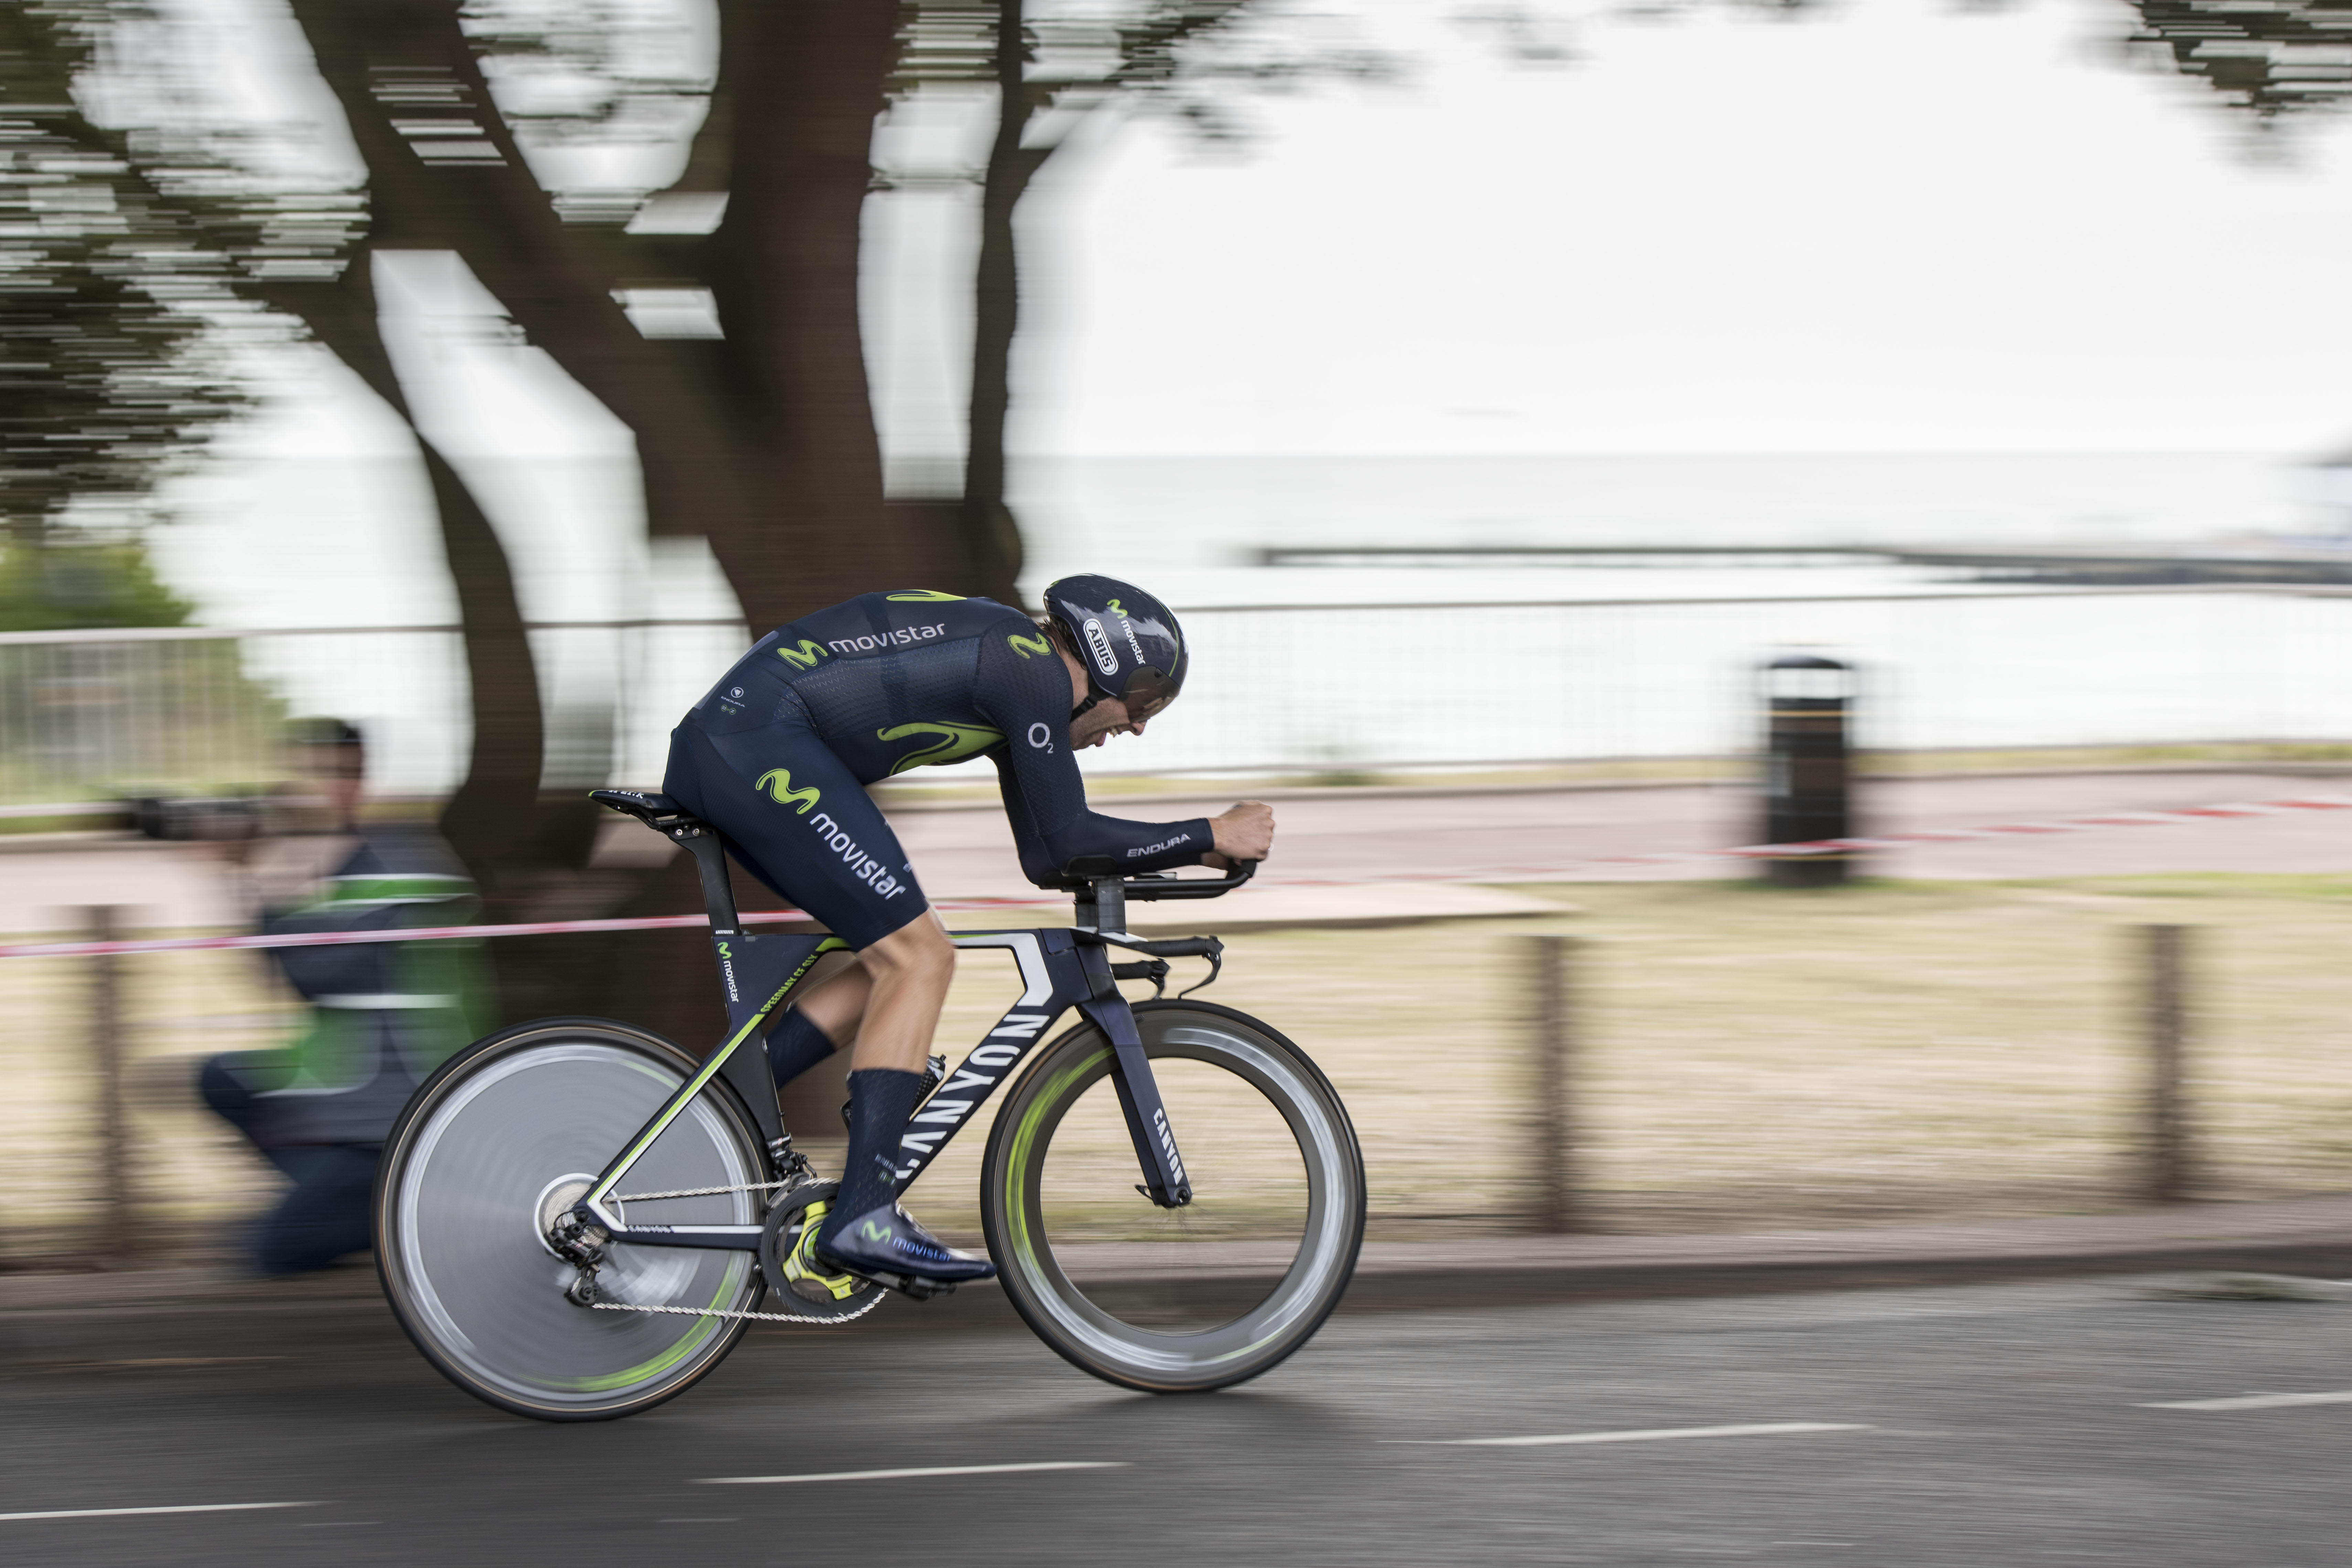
(651, 807)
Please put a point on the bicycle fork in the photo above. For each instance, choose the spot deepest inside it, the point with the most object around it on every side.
(1164, 1182)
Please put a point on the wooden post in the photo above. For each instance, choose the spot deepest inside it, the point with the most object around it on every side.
(2168, 1171)
(1550, 1041)
(114, 1140)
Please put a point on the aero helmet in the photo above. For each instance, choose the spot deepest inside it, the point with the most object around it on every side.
(1128, 642)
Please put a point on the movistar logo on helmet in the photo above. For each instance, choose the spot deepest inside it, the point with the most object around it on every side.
(1098, 644)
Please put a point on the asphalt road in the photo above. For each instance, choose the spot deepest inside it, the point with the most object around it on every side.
(1977, 1426)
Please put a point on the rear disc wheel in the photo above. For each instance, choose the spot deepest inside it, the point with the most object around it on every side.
(501, 1141)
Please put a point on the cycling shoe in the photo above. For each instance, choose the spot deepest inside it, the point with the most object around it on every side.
(887, 1246)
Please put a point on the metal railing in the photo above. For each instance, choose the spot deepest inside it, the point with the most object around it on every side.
(88, 715)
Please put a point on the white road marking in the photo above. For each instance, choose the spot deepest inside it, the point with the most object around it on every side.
(2254, 1400)
(1653, 1434)
(898, 1475)
(179, 1508)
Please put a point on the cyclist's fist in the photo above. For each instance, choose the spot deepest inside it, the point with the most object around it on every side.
(1243, 833)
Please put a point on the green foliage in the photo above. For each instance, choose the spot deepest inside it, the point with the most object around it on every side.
(63, 584)
(103, 377)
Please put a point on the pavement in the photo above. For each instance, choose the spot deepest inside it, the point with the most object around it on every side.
(1383, 841)
(2309, 1236)
(2102, 1421)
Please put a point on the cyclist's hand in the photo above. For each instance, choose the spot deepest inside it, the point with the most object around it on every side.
(1243, 833)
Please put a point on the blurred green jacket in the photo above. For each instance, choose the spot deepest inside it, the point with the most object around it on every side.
(384, 1014)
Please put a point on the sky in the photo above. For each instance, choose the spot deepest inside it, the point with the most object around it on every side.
(1903, 226)
(1899, 226)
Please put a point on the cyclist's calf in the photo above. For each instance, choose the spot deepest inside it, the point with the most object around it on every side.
(907, 976)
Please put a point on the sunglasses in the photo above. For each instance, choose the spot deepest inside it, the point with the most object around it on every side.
(1147, 692)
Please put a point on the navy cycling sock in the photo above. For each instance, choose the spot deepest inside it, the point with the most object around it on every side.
(880, 1100)
(795, 1045)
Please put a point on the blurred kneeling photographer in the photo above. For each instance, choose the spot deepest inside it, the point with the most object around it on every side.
(384, 1014)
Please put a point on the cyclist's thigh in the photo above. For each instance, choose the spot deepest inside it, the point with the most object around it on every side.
(800, 821)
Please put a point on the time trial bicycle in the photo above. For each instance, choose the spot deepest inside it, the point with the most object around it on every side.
(575, 1219)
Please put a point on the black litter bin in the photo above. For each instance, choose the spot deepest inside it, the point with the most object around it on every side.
(1808, 770)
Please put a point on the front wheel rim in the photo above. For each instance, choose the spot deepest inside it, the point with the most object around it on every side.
(1308, 1288)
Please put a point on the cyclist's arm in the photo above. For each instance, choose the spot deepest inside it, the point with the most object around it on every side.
(1044, 798)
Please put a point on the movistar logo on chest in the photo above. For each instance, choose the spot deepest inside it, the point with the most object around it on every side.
(949, 742)
(898, 639)
(810, 651)
(1098, 644)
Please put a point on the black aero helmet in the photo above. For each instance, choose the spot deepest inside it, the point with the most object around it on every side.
(1129, 641)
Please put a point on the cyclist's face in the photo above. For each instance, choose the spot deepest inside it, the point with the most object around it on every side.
(1101, 722)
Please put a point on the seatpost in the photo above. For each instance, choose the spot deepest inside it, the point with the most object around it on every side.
(717, 892)
(1103, 906)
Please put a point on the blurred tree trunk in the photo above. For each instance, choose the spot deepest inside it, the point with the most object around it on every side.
(763, 441)
(807, 78)
(994, 537)
(492, 814)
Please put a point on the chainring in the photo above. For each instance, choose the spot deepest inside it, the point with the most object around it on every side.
(797, 1282)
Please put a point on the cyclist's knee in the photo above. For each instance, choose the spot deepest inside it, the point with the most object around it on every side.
(919, 951)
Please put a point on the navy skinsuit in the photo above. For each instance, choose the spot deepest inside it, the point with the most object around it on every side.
(776, 755)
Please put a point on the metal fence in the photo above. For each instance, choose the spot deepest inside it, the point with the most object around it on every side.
(90, 715)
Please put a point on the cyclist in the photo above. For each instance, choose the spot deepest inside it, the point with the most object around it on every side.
(777, 755)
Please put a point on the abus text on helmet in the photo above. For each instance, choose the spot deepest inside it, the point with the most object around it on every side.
(1099, 643)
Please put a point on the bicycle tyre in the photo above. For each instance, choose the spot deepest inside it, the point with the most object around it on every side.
(1018, 1217)
(486, 1149)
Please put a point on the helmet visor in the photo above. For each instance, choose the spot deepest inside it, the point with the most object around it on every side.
(1148, 690)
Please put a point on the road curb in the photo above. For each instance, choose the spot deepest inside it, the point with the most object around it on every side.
(1440, 1287)
(1380, 1285)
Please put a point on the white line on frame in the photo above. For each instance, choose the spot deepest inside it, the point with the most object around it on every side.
(900, 1475)
(1653, 1434)
(176, 1508)
(2254, 1401)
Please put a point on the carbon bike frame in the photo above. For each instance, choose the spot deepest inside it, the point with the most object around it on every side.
(1060, 968)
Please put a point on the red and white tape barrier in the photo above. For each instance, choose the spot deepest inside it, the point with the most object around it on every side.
(2189, 816)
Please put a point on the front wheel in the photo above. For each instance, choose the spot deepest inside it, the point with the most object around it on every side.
(504, 1139)
(1176, 1299)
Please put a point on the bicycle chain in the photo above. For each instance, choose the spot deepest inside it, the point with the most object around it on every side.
(702, 1191)
(755, 1317)
(723, 1311)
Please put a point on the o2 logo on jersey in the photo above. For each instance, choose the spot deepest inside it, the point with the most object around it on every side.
(1041, 737)
(1099, 643)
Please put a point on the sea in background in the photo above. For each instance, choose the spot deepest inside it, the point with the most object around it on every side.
(267, 541)
(1192, 527)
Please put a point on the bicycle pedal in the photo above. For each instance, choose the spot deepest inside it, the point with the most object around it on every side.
(912, 1288)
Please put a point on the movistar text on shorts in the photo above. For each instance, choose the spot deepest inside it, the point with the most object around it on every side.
(863, 866)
